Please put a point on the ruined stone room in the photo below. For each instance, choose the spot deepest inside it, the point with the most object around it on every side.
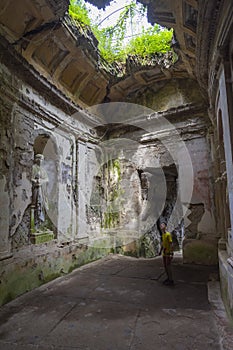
(116, 132)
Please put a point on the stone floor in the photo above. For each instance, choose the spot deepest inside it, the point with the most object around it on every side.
(118, 303)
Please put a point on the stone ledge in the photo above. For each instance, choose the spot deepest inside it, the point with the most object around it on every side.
(222, 320)
(200, 251)
(41, 237)
(226, 280)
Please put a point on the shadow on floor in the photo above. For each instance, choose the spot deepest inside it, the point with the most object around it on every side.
(116, 303)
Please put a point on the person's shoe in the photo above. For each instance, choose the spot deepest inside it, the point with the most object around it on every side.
(170, 283)
(166, 281)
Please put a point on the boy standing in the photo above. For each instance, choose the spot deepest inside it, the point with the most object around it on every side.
(167, 249)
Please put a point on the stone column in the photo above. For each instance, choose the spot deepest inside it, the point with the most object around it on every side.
(224, 105)
(81, 203)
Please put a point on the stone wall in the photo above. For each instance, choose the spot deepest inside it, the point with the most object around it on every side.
(148, 178)
(200, 245)
(221, 112)
(32, 266)
(32, 124)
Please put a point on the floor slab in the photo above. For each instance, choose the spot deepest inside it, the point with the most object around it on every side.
(119, 303)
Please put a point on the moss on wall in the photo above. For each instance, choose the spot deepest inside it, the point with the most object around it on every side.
(22, 274)
(111, 215)
(202, 252)
(111, 219)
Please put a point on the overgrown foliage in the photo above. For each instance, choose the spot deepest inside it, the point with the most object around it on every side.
(112, 44)
(79, 12)
(151, 41)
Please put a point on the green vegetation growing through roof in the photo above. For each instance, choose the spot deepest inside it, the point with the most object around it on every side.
(79, 12)
(111, 39)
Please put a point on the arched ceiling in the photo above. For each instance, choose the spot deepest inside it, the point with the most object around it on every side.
(150, 75)
(68, 58)
(194, 24)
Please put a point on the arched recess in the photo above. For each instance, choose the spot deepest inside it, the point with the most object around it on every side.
(222, 195)
(45, 143)
(132, 191)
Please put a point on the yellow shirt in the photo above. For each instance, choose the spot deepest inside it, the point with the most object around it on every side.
(167, 243)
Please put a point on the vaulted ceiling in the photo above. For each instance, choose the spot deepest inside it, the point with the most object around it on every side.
(68, 58)
(194, 24)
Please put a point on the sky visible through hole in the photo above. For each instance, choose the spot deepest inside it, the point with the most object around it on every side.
(110, 15)
(122, 30)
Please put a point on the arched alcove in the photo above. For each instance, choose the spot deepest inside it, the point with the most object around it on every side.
(45, 144)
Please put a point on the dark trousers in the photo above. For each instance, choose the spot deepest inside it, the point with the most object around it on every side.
(167, 260)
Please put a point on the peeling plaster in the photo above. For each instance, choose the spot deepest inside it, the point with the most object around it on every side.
(22, 199)
(4, 217)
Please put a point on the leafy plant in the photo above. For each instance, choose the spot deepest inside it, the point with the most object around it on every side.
(79, 12)
(151, 41)
(111, 39)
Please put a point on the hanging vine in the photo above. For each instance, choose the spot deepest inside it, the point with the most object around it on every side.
(112, 44)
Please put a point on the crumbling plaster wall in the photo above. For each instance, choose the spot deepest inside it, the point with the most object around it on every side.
(20, 127)
(89, 213)
(26, 116)
(193, 127)
(180, 102)
(203, 186)
(150, 154)
(200, 245)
